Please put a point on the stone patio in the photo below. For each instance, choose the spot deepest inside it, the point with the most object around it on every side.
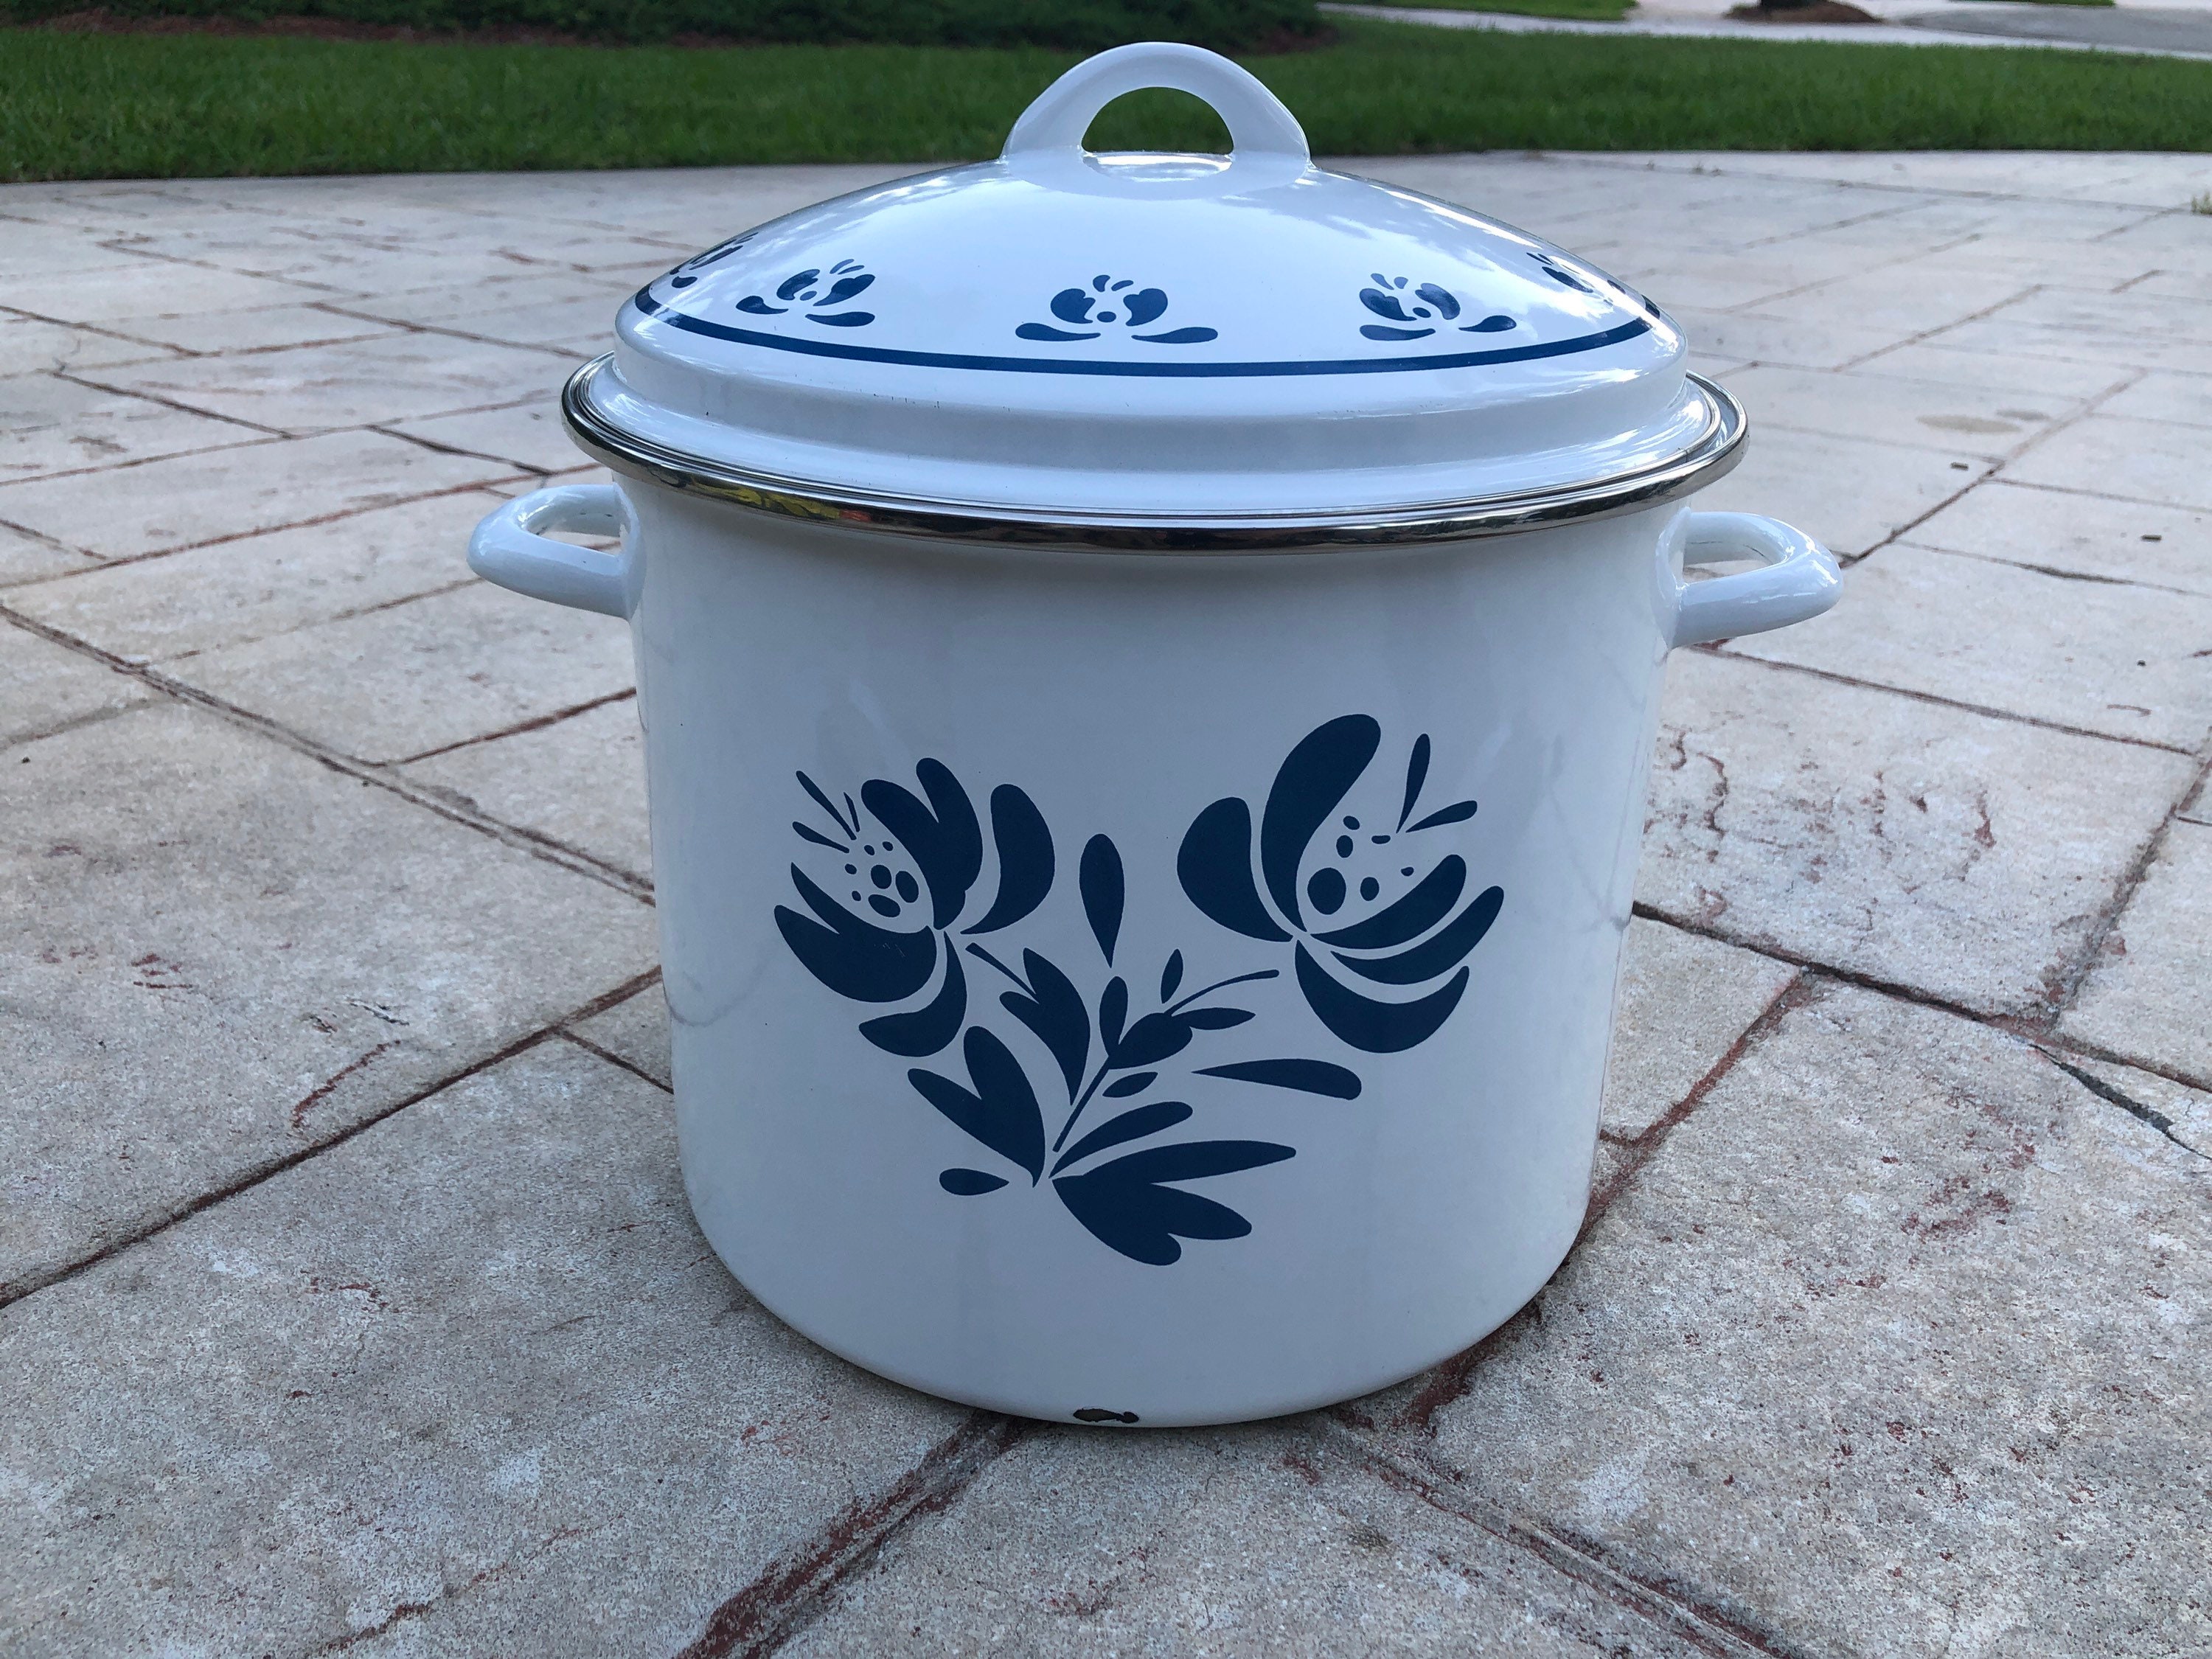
(351, 1298)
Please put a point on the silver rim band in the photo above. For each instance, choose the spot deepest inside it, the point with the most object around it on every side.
(1717, 449)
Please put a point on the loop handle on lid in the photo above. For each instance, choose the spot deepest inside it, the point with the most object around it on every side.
(1257, 121)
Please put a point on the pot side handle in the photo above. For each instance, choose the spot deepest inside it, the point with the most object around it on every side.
(510, 548)
(1800, 579)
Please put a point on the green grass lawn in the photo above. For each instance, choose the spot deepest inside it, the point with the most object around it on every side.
(1600, 11)
(84, 107)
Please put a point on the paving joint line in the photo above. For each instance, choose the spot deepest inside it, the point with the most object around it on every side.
(455, 587)
(101, 563)
(2034, 721)
(2117, 1096)
(2040, 1031)
(81, 378)
(254, 1174)
(1692, 1618)
(796, 1588)
(538, 845)
(2089, 406)
(1450, 1379)
(614, 1059)
(2067, 989)
(536, 723)
(2052, 570)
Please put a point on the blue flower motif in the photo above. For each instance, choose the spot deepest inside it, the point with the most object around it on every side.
(684, 277)
(1085, 312)
(805, 290)
(1559, 272)
(1417, 316)
(924, 889)
(1414, 941)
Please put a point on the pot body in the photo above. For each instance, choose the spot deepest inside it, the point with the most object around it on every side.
(901, 1193)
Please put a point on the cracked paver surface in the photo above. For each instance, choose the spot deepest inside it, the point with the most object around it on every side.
(349, 1299)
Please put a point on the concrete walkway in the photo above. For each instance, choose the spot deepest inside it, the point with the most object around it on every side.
(352, 1302)
(2170, 30)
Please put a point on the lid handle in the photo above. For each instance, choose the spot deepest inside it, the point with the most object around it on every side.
(1257, 121)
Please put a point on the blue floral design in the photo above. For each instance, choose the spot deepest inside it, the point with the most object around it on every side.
(910, 864)
(1418, 315)
(926, 888)
(1415, 940)
(1084, 313)
(808, 291)
(1559, 272)
(685, 274)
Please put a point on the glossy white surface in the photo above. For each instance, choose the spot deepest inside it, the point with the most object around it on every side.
(1123, 697)
(1132, 987)
(1061, 328)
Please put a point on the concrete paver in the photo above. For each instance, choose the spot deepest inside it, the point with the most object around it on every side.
(253, 586)
(471, 1364)
(348, 1299)
(229, 952)
(423, 674)
(46, 687)
(2000, 635)
(578, 782)
(190, 500)
(1966, 856)
(2150, 992)
(1891, 1348)
(1241, 1543)
(2151, 545)
(1849, 493)
(1684, 1002)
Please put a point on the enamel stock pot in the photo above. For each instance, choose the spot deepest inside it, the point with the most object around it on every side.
(1149, 664)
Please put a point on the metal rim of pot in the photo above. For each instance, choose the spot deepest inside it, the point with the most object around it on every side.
(1716, 451)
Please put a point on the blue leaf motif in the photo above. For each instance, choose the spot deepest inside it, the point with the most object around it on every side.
(1025, 859)
(790, 287)
(1457, 813)
(1171, 975)
(1129, 1126)
(1312, 1076)
(943, 838)
(966, 1183)
(1152, 1039)
(1417, 774)
(1181, 337)
(1135, 1083)
(1127, 1208)
(1071, 304)
(1113, 1009)
(756, 305)
(1054, 1011)
(1437, 955)
(1001, 1110)
(1099, 877)
(1421, 909)
(1143, 307)
(1376, 1027)
(1214, 865)
(1385, 304)
(928, 1028)
(1313, 779)
(1447, 307)
(855, 958)
(1041, 331)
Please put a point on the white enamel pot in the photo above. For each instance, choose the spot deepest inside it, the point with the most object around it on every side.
(1140, 909)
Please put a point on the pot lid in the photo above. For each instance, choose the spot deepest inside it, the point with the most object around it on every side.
(1153, 350)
